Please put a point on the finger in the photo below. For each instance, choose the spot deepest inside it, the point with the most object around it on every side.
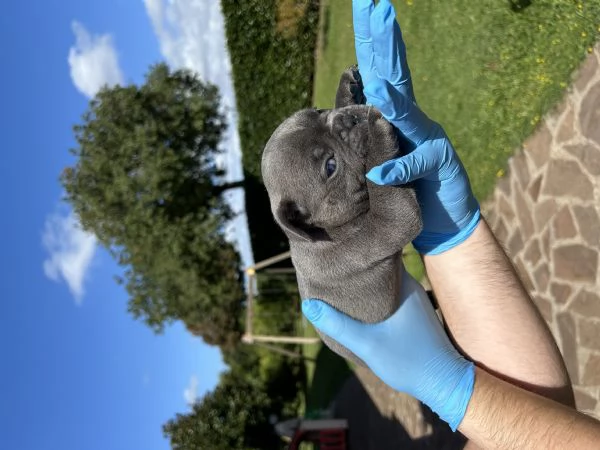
(399, 110)
(361, 12)
(421, 162)
(389, 49)
(338, 326)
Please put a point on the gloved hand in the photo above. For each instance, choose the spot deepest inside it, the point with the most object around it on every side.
(449, 209)
(409, 351)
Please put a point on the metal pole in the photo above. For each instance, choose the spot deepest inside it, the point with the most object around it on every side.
(281, 270)
(283, 351)
(249, 301)
(267, 262)
(250, 339)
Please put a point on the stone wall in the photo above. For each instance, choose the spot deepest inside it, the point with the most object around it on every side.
(546, 213)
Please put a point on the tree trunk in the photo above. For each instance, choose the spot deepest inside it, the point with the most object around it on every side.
(219, 189)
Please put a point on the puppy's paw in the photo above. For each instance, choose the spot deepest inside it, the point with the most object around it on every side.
(350, 89)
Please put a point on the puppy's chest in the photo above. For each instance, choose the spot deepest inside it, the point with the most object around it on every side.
(327, 265)
(349, 281)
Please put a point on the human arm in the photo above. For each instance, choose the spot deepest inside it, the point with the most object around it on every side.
(501, 415)
(409, 350)
(411, 353)
(492, 319)
(488, 312)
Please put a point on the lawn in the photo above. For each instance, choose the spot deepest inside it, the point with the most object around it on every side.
(487, 72)
(484, 71)
(325, 372)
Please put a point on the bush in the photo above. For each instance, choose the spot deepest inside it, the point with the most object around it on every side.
(271, 44)
(272, 67)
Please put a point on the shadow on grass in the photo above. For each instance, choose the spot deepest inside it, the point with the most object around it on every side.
(325, 29)
(331, 371)
(519, 5)
(265, 235)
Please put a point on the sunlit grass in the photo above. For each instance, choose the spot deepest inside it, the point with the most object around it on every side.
(484, 71)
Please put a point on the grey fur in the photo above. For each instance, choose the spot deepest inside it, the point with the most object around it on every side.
(346, 234)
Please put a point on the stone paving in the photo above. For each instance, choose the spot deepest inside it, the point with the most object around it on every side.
(380, 418)
(546, 213)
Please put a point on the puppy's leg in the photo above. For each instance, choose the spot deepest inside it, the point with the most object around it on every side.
(350, 89)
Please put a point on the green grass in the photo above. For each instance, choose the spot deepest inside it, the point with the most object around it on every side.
(310, 351)
(325, 372)
(413, 262)
(485, 72)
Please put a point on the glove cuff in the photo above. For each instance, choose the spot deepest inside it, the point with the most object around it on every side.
(450, 387)
(456, 407)
(436, 243)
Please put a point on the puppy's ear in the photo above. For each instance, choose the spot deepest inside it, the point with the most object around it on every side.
(293, 221)
(350, 89)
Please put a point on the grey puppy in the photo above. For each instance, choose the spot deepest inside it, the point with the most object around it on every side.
(346, 234)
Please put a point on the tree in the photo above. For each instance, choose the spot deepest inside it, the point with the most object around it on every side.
(146, 184)
(235, 416)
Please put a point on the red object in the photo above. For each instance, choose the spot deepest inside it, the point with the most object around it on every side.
(328, 434)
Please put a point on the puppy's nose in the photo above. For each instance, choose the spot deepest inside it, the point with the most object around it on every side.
(323, 114)
(344, 120)
(341, 124)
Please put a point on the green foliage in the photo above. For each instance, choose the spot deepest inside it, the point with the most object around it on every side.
(272, 69)
(277, 304)
(144, 184)
(275, 313)
(272, 56)
(235, 416)
(486, 70)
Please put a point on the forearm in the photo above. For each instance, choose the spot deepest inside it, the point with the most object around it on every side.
(501, 415)
(492, 319)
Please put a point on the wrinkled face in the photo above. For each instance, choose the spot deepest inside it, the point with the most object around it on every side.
(315, 163)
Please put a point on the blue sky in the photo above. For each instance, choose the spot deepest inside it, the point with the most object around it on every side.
(77, 371)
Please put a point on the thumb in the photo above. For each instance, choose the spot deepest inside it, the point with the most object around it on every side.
(338, 326)
(419, 163)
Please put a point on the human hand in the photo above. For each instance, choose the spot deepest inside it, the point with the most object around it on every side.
(449, 208)
(409, 351)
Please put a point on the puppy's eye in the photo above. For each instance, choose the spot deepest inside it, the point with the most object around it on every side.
(330, 167)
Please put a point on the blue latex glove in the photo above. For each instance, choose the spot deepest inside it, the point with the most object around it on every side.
(449, 209)
(409, 351)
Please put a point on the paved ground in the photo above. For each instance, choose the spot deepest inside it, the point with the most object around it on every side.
(382, 419)
(546, 212)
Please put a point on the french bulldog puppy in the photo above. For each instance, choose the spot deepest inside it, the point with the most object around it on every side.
(346, 234)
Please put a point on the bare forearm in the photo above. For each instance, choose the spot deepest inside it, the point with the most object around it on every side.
(504, 416)
(492, 319)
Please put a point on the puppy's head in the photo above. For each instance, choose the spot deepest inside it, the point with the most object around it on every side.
(314, 168)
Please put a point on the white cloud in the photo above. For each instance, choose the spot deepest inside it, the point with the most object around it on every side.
(71, 252)
(191, 34)
(190, 394)
(93, 61)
